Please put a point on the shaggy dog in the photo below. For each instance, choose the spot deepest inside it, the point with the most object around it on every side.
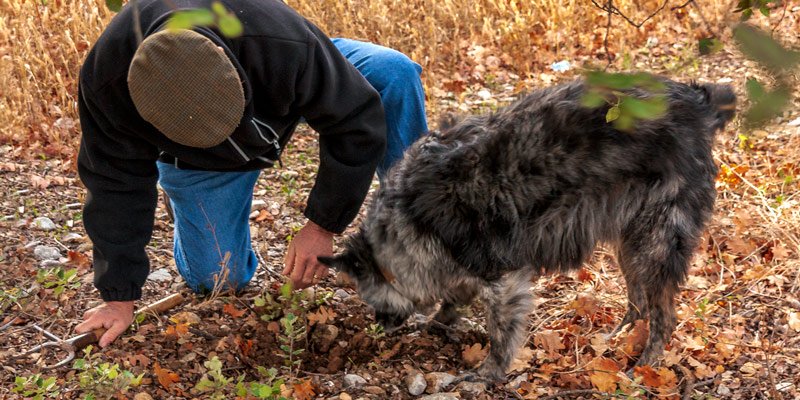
(495, 201)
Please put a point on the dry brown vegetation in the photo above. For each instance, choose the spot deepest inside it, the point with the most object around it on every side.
(42, 45)
(739, 313)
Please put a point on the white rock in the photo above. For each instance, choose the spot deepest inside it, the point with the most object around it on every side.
(794, 122)
(354, 381)
(471, 388)
(72, 237)
(160, 275)
(258, 205)
(45, 224)
(46, 253)
(514, 383)
(723, 390)
(416, 384)
(289, 174)
(50, 263)
(438, 381)
(442, 396)
(341, 294)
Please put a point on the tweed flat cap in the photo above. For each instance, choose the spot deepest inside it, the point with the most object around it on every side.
(186, 86)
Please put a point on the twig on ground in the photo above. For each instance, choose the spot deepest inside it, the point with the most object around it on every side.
(579, 392)
(783, 15)
(688, 388)
(681, 6)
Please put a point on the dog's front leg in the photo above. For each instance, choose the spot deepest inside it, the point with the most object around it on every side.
(509, 303)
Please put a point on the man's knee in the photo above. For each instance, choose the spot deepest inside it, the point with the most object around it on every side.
(227, 274)
(392, 69)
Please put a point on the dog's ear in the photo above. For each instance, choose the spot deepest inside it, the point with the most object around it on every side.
(327, 261)
(339, 263)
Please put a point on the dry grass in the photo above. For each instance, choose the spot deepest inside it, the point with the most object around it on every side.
(42, 45)
(41, 49)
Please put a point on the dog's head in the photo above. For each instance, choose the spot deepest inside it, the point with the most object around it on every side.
(374, 283)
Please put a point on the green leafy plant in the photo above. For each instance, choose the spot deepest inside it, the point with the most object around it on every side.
(214, 384)
(58, 279)
(9, 297)
(270, 385)
(36, 387)
(375, 331)
(323, 297)
(103, 379)
(293, 331)
(271, 308)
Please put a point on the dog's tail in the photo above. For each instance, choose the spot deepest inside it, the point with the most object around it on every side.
(722, 101)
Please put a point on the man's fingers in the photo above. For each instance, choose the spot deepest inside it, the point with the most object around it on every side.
(116, 329)
(86, 326)
(298, 273)
(88, 314)
(289, 260)
(310, 272)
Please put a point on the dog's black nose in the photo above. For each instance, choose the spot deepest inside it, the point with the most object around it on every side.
(389, 321)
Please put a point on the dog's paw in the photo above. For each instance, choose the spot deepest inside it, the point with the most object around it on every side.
(471, 376)
(447, 331)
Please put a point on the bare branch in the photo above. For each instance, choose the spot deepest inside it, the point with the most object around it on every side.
(611, 9)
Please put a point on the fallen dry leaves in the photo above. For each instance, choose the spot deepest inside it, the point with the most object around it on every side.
(474, 354)
(604, 374)
(166, 378)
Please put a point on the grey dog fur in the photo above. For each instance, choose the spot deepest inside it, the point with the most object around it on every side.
(494, 201)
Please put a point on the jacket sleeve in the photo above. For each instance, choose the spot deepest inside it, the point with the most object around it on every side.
(120, 174)
(339, 103)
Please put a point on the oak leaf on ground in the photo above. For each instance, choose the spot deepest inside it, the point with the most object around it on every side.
(604, 374)
(474, 354)
(165, 376)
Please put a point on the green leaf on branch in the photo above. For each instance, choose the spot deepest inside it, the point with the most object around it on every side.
(189, 19)
(650, 108)
(709, 46)
(114, 5)
(218, 16)
(626, 110)
(624, 81)
(612, 114)
(762, 48)
(230, 26)
(755, 90)
(767, 104)
(592, 100)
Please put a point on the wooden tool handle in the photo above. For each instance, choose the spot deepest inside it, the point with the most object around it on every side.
(85, 339)
(162, 305)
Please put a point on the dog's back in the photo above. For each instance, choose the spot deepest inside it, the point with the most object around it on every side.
(542, 181)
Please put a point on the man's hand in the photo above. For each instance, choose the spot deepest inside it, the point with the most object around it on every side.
(301, 263)
(115, 316)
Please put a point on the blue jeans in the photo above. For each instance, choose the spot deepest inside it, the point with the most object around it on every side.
(211, 209)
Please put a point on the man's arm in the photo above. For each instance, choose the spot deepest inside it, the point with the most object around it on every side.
(120, 175)
(339, 103)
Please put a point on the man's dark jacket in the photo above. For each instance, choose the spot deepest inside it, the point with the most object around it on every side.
(290, 70)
